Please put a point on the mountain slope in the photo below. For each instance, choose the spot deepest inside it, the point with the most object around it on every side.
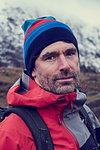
(11, 39)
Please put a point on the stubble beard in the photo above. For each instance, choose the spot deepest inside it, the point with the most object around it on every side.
(51, 84)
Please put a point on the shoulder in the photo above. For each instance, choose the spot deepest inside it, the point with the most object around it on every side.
(14, 124)
(14, 133)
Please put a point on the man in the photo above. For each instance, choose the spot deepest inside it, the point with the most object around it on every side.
(50, 83)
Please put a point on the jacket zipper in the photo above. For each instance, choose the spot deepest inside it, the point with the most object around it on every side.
(70, 133)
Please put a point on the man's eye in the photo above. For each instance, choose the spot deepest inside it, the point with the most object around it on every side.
(50, 58)
(70, 53)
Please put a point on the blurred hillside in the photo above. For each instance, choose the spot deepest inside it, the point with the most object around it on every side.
(11, 39)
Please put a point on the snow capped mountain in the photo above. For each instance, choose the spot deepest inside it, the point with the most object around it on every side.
(11, 39)
(89, 46)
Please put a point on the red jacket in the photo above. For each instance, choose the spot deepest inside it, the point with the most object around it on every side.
(14, 134)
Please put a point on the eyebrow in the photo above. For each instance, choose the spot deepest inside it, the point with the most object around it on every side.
(49, 54)
(72, 49)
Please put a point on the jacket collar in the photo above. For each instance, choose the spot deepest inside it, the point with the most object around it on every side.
(26, 92)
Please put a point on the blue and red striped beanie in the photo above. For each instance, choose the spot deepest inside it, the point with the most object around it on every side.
(41, 32)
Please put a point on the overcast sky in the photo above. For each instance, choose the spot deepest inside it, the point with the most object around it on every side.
(87, 10)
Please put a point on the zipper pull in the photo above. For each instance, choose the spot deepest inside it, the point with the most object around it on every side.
(59, 121)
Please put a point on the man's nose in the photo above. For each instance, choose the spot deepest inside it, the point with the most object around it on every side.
(63, 63)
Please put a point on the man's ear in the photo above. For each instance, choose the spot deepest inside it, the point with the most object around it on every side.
(33, 73)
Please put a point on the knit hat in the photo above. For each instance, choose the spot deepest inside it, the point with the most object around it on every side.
(41, 32)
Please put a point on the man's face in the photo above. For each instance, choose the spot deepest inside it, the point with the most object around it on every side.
(57, 68)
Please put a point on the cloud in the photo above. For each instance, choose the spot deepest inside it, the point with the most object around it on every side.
(87, 10)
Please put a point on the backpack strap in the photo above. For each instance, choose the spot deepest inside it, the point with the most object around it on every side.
(35, 123)
(2, 112)
(84, 115)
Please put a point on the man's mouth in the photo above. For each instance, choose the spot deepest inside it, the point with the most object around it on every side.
(66, 79)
